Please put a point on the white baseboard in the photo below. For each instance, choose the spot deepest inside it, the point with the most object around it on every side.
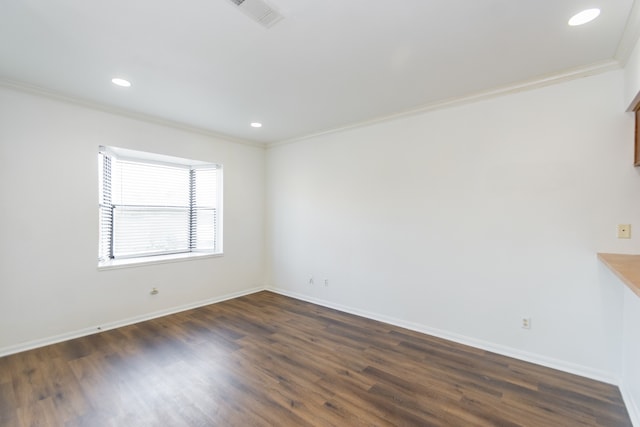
(484, 345)
(630, 403)
(29, 345)
(632, 407)
(561, 365)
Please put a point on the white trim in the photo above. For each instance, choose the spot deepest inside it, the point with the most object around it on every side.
(29, 345)
(484, 345)
(156, 158)
(630, 36)
(113, 264)
(632, 407)
(541, 81)
(47, 93)
(538, 82)
(561, 365)
(634, 103)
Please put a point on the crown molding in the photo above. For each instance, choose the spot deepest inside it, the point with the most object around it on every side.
(630, 35)
(39, 91)
(538, 82)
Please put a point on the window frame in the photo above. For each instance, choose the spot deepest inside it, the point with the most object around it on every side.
(192, 252)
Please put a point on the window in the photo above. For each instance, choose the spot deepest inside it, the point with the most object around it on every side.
(155, 207)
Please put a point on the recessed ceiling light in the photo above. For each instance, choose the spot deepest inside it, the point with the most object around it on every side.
(584, 17)
(121, 82)
(256, 125)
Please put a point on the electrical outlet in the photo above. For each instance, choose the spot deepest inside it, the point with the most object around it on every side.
(526, 323)
(624, 231)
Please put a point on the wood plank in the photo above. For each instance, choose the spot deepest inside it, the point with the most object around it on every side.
(626, 267)
(265, 359)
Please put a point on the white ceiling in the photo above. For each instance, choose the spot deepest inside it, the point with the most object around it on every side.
(326, 65)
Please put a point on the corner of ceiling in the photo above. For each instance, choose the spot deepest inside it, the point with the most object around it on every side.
(630, 35)
(537, 82)
(47, 93)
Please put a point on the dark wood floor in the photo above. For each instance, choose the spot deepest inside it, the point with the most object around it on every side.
(268, 360)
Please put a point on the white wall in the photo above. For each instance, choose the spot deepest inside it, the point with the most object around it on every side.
(630, 384)
(49, 282)
(457, 222)
(632, 76)
(631, 353)
(462, 221)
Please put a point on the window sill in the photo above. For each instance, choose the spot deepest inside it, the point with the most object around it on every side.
(160, 259)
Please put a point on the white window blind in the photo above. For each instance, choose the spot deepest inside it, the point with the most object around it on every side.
(150, 207)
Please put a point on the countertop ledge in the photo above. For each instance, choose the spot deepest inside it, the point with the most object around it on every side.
(626, 267)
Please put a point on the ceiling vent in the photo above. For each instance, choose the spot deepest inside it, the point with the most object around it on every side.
(259, 11)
